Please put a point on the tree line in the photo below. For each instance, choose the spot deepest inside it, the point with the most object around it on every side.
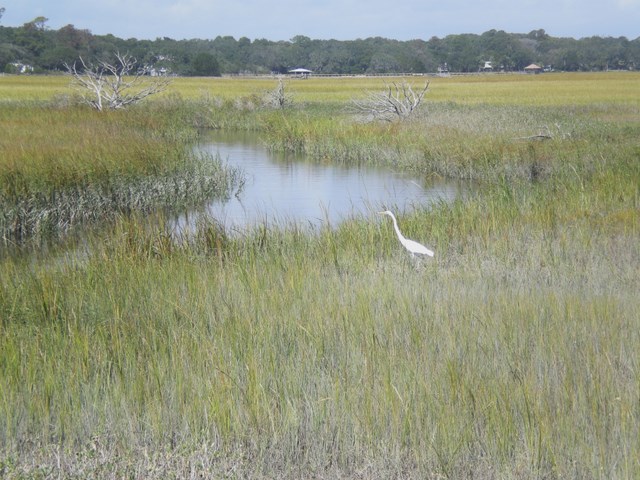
(33, 47)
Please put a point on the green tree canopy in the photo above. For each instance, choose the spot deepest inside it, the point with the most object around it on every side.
(205, 65)
(45, 49)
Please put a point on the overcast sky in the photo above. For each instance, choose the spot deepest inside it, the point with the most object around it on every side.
(326, 19)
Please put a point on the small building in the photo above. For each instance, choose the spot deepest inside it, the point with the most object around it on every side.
(488, 67)
(300, 72)
(533, 68)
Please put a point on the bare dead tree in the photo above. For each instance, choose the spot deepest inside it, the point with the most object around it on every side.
(398, 101)
(279, 98)
(115, 85)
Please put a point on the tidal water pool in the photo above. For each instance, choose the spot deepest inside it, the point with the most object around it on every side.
(284, 188)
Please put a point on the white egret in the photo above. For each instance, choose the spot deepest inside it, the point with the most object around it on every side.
(412, 246)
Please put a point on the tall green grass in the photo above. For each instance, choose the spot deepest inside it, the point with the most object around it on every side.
(513, 354)
(65, 166)
(279, 352)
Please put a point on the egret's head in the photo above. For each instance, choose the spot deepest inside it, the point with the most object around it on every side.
(386, 212)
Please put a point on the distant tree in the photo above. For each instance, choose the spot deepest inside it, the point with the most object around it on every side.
(464, 52)
(9, 53)
(57, 57)
(78, 40)
(205, 65)
(571, 60)
(45, 49)
(31, 36)
(382, 62)
(539, 34)
(419, 58)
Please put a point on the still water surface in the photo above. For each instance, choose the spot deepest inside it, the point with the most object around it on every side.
(286, 188)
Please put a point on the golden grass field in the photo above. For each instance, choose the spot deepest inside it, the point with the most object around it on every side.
(538, 90)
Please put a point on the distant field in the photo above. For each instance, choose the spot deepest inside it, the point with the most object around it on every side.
(543, 89)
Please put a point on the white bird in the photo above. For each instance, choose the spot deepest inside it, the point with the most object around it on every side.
(412, 246)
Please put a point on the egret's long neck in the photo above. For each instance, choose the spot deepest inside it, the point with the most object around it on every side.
(395, 226)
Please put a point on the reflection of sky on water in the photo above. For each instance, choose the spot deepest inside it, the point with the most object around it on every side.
(283, 189)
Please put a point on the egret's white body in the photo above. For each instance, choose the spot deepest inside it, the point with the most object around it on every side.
(412, 246)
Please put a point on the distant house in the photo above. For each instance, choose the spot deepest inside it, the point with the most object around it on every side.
(488, 67)
(300, 72)
(158, 72)
(19, 67)
(533, 68)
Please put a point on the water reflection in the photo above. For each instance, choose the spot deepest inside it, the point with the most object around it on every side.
(286, 188)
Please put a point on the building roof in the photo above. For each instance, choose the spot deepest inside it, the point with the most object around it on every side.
(533, 66)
